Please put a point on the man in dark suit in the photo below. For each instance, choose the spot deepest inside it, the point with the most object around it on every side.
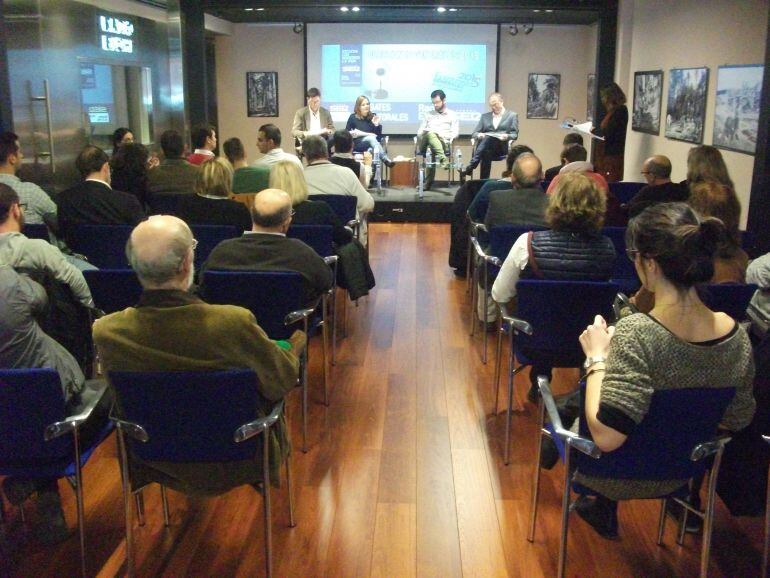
(313, 119)
(266, 247)
(526, 203)
(93, 201)
(493, 133)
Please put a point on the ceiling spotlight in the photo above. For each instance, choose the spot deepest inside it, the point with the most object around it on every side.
(355, 9)
(536, 10)
(298, 28)
(453, 9)
(549, 11)
(527, 27)
(440, 9)
(513, 30)
(344, 8)
(248, 9)
(260, 9)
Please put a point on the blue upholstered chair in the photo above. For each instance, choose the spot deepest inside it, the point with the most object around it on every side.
(37, 231)
(275, 299)
(550, 317)
(344, 207)
(625, 272)
(208, 237)
(730, 298)
(103, 245)
(196, 416)
(37, 437)
(164, 203)
(624, 191)
(660, 448)
(113, 289)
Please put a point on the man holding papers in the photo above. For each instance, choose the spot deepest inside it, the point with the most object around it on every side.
(493, 133)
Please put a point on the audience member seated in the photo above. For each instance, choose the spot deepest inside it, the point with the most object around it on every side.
(353, 270)
(477, 210)
(711, 199)
(569, 139)
(93, 201)
(573, 249)
(120, 137)
(211, 204)
(705, 163)
(287, 176)
(269, 144)
(23, 344)
(657, 172)
(343, 156)
(680, 343)
(246, 179)
(526, 203)
(266, 247)
(172, 330)
(758, 273)
(174, 175)
(128, 168)
(575, 156)
(204, 141)
(35, 256)
(313, 119)
(325, 178)
(365, 128)
(38, 206)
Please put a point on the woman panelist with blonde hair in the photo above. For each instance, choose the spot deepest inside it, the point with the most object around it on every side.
(365, 128)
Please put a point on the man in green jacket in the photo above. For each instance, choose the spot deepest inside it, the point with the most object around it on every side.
(173, 330)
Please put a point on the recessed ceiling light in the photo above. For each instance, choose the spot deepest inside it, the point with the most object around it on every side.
(260, 9)
(248, 9)
(440, 9)
(453, 9)
(536, 10)
(355, 9)
(344, 8)
(549, 10)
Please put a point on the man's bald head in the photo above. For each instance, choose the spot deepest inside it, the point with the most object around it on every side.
(657, 169)
(160, 252)
(271, 211)
(527, 171)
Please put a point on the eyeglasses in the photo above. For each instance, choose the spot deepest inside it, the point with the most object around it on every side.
(194, 244)
(631, 254)
(23, 206)
(293, 212)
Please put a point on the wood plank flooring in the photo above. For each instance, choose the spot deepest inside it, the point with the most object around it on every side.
(404, 474)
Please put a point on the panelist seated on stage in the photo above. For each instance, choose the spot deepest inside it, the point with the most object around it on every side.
(313, 119)
(493, 134)
(438, 128)
(365, 128)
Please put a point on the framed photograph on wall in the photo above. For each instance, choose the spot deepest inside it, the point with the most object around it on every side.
(648, 93)
(262, 93)
(736, 115)
(590, 97)
(543, 95)
(686, 111)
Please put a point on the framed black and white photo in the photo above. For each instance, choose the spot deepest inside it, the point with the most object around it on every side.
(686, 111)
(736, 115)
(262, 93)
(648, 93)
(543, 95)
(591, 97)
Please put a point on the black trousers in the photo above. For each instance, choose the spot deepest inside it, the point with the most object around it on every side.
(489, 149)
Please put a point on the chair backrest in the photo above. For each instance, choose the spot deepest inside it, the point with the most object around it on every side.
(659, 448)
(37, 231)
(208, 237)
(625, 272)
(269, 295)
(30, 400)
(730, 298)
(502, 238)
(189, 416)
(104, 245)
(624, 191)
(113, 289)
(318, 237)
(343, 205)
(165, 203)
(559, 311)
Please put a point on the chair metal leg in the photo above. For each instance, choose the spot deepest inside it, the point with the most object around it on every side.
(498, 360)
(508, 413)
(536, 475)
(139, 503)
(22, 515)
(123, 452)
(510, 370)
(333, 316)
(469, 263)
(304, 402)
(474, 296)
(662, 521)
(266, 485)
(80, 503)
(325, 344)
(682, 526)
(565, 511)
(766, 549)
(708, 522)
(290, 490)
(486, 304)
(164, 501)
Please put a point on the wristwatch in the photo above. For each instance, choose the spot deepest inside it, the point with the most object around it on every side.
(592, 360)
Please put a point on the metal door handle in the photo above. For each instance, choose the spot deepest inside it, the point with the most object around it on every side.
(49, 124)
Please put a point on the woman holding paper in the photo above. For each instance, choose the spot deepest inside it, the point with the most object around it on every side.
(609, 154)
(365, 128)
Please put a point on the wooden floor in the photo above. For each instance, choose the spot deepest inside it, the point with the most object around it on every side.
(403, 476)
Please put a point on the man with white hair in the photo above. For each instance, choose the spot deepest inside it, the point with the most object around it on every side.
(172, 330)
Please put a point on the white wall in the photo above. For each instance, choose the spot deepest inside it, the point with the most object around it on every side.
(567, 50)
(690, 33)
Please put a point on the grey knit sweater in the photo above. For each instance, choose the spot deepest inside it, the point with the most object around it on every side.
(644, 357)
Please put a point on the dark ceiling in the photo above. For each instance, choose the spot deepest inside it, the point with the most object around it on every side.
(485, 11)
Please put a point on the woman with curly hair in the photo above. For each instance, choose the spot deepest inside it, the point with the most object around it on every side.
(609, 154)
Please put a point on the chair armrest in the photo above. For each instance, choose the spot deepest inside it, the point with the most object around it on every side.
(331, 260)
(515, 322)
(131, 429)
(70, 423)
(353, 223)
(258, 426)
(298, 315)
(582, 444)
(709, 448)
(481, 254)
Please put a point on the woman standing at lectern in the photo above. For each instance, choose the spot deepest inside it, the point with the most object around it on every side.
(609, 154)
(365, 128)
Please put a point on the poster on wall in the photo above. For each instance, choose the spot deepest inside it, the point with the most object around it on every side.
(543, 95)
(262, 93)
(736, 115)
(648, 93)
(686, 111)
(591, 96)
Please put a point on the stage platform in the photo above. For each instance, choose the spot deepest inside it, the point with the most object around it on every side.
(403, 205)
